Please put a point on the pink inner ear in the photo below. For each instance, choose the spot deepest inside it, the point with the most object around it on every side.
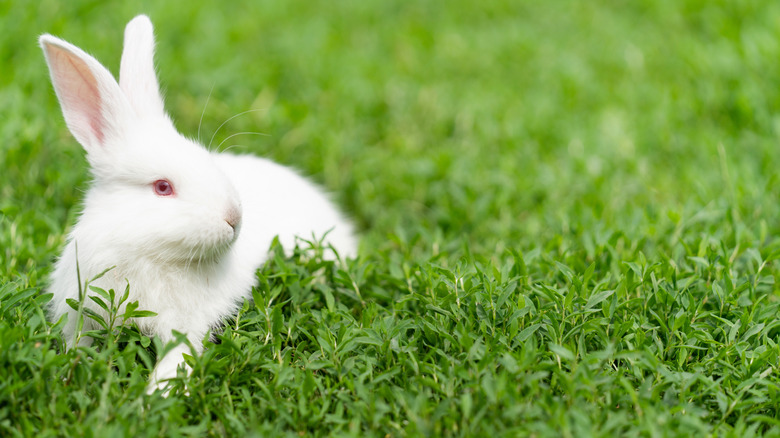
(79, 94)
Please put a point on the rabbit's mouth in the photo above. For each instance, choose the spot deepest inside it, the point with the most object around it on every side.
(235, 229)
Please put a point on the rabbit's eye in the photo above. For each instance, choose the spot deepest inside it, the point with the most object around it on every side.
(163, 187)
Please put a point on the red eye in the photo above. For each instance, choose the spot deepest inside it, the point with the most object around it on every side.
(163, 188)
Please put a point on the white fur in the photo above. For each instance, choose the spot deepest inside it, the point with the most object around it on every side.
(180, 255)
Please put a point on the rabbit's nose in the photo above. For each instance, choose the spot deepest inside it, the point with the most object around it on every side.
(233, 216)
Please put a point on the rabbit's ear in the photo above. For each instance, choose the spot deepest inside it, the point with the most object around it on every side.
(94, 107)
(136, 73)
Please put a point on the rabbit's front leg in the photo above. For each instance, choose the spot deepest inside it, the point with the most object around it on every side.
(168, 366)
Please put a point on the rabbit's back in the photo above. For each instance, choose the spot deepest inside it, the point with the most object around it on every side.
(277, 201)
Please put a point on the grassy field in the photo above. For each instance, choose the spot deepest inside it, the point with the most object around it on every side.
(569, 214)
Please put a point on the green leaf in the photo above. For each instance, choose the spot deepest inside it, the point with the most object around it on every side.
(597, 298)
(561, 351)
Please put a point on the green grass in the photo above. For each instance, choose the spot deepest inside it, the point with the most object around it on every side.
(569, 215)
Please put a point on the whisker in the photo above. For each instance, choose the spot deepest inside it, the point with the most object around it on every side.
(241, 133)
(233, 146)
(223, 123)
(204, 110)
(188, 259)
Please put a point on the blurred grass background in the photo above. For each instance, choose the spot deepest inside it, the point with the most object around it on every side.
(450, 128)
(493, 123)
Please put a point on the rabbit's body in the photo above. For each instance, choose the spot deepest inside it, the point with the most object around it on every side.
(184, 227)
(282, 210)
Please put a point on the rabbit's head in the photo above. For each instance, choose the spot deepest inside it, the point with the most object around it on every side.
(155, 194)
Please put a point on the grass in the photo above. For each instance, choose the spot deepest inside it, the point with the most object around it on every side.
(569, 216)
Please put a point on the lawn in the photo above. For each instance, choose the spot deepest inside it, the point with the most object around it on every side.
(569, 217)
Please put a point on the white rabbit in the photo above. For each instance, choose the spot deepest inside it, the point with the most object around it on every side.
(186, 228)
